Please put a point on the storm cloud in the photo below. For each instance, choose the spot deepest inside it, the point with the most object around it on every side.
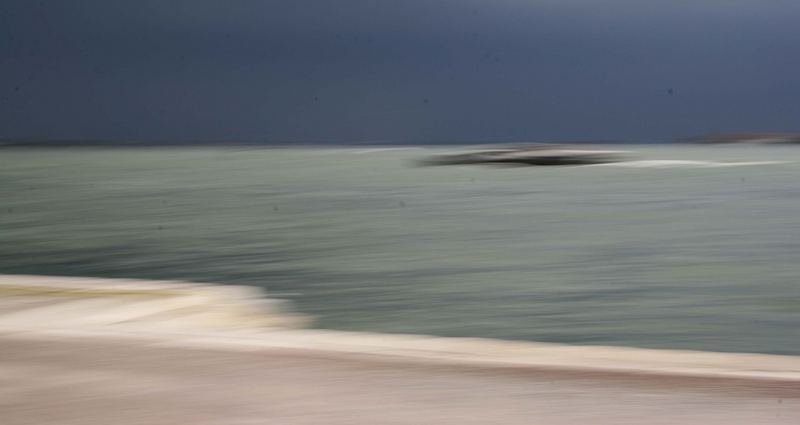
(404, 71)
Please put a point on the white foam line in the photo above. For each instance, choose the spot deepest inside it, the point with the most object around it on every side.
(467, 352)
(670, 163)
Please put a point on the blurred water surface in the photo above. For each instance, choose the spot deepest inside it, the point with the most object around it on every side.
(674, 254)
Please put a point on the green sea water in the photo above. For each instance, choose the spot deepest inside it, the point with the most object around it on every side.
(689, 248)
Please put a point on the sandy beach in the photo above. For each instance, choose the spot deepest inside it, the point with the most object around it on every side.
(111, 360)
(86, 382)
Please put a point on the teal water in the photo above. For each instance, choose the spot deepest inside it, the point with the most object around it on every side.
(689, 255)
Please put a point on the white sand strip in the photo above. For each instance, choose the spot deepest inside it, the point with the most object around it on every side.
(229, 318)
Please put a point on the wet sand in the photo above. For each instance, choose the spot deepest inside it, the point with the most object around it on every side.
(74, 381)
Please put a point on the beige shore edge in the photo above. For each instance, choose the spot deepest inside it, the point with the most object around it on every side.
(240, 318)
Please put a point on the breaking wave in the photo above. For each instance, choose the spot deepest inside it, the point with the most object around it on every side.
(669, 163)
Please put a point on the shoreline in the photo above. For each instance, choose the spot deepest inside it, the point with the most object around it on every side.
(237, 318)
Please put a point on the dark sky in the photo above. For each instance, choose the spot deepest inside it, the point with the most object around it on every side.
(397, 70)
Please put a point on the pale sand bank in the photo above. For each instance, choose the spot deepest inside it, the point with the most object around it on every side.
(79, 351)
(99, 381)
(235, 318)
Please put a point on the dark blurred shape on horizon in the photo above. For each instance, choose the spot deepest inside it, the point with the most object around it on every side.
(531, 154)
(407, 72)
